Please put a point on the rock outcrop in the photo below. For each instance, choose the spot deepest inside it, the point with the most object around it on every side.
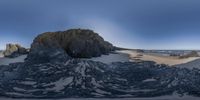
(191, 54)
(46, 52)
(14, 50)
(77, 43)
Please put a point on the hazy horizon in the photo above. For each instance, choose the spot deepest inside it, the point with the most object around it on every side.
(136, 24)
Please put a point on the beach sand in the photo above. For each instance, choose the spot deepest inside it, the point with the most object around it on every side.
(135, 56)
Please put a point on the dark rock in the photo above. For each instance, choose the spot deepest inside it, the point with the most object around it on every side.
(14, 50)
(89, 79)
(77, 43)
(139, 51)
(48, 51)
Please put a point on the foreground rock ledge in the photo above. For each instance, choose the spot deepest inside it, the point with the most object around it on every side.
(78, 78)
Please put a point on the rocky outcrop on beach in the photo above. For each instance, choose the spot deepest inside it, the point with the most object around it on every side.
(77, 43)
(191, 54)
(14, 50)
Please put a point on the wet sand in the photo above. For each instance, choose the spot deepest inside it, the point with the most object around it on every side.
(7, 61)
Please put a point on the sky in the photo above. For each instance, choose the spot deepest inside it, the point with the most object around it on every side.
(137, 24)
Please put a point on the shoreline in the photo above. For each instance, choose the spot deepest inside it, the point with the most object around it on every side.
(159, 59)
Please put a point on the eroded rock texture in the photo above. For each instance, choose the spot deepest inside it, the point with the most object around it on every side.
(77, 43)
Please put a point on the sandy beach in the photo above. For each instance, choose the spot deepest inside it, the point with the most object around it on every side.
(135, 56)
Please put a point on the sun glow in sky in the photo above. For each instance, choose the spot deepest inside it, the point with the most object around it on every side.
(146, 24)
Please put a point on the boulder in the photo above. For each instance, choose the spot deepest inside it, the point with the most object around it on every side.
(14, 50)
(77, 43)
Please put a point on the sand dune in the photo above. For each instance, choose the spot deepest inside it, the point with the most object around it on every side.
(134, 56)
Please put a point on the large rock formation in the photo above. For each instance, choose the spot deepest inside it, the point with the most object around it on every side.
(14, 50)
(77, 43)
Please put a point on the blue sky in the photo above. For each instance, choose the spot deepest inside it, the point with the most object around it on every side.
(146, 24)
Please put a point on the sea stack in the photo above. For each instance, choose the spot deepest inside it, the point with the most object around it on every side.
(14, 50)
(77, 43)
